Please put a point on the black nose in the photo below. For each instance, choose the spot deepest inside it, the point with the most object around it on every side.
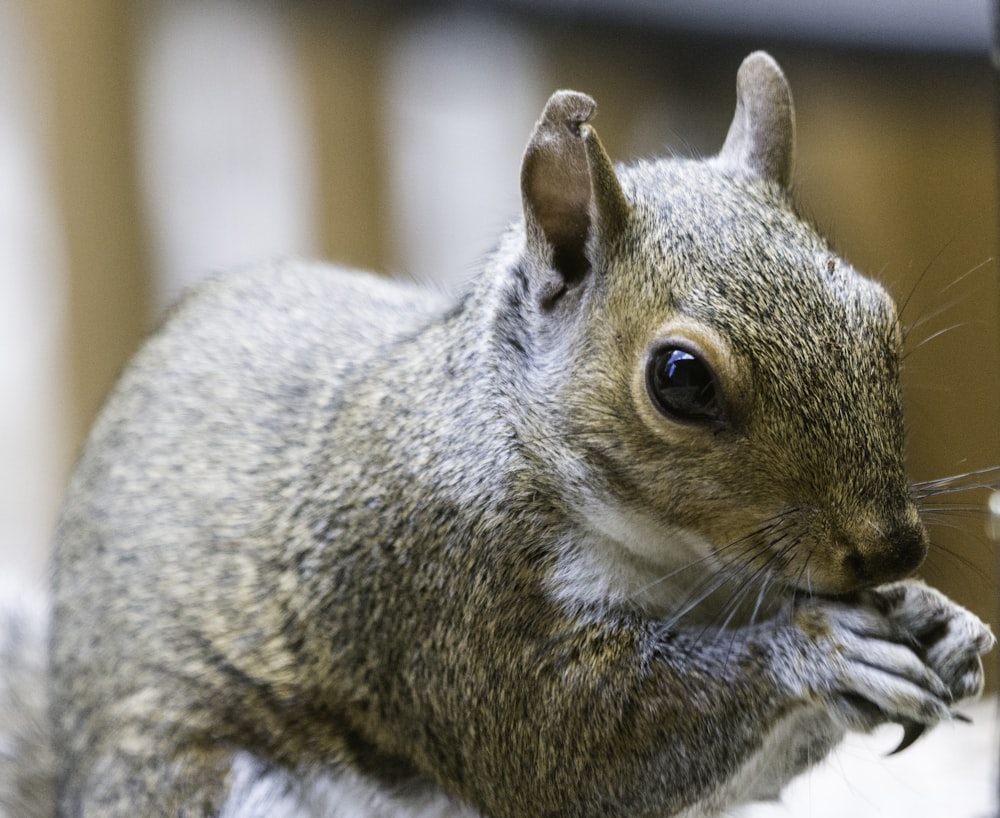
(892, 557)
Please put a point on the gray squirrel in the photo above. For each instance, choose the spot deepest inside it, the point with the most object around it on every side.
(623, 530)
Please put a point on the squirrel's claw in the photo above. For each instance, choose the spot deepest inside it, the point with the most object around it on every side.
(913, 730)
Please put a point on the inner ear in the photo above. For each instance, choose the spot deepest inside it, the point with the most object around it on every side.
(570, 258)
(570, 192)
(564, 221)
(559, 196)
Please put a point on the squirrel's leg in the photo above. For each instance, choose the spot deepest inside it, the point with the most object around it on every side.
(621, 716)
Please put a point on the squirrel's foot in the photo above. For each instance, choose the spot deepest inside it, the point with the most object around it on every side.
(900, 653)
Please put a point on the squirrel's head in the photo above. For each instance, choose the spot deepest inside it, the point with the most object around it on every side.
(729, 383)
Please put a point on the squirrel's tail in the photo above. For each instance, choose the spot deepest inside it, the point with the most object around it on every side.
(26, 759)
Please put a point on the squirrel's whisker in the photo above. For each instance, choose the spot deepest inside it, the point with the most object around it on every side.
(920, 278)
(936, 482)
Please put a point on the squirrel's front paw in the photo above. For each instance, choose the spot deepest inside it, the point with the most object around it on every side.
(902, 653)
(946, 637)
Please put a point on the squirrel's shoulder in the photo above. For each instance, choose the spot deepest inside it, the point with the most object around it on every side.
(308, 296)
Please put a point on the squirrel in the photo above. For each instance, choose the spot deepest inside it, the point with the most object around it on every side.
(621, 530)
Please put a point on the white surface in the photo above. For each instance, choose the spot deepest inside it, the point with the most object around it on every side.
(462, 94)
(224, 140)
(949, 773)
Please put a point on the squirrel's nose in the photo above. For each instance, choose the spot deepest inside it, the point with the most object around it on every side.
(892, 556)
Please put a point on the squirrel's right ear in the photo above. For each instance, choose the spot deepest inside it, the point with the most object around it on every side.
(571, 196)
(761, 140)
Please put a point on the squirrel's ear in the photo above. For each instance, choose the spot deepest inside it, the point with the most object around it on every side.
(761, 140)
(570, 193)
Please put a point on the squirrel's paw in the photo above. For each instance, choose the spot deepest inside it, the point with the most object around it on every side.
(902, 653)
(945, 636)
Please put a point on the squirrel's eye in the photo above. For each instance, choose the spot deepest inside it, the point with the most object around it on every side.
(682, 386)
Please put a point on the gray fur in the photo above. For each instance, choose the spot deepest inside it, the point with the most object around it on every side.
(26, 762)
(340, 544)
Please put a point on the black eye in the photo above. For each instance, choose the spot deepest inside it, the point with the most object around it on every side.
(682, 386)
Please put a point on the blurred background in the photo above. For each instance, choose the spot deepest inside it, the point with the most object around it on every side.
(145, 144)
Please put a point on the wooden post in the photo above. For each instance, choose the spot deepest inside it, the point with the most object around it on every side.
(340, 51)
(87, 50)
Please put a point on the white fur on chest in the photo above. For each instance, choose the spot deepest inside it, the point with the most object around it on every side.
(625, 557)
(260, 791)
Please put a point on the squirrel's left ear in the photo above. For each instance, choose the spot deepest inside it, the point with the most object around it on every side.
(571, 196)
(761, 140)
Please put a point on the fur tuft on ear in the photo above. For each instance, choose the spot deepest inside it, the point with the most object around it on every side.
(761, 139)
(570, 192)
